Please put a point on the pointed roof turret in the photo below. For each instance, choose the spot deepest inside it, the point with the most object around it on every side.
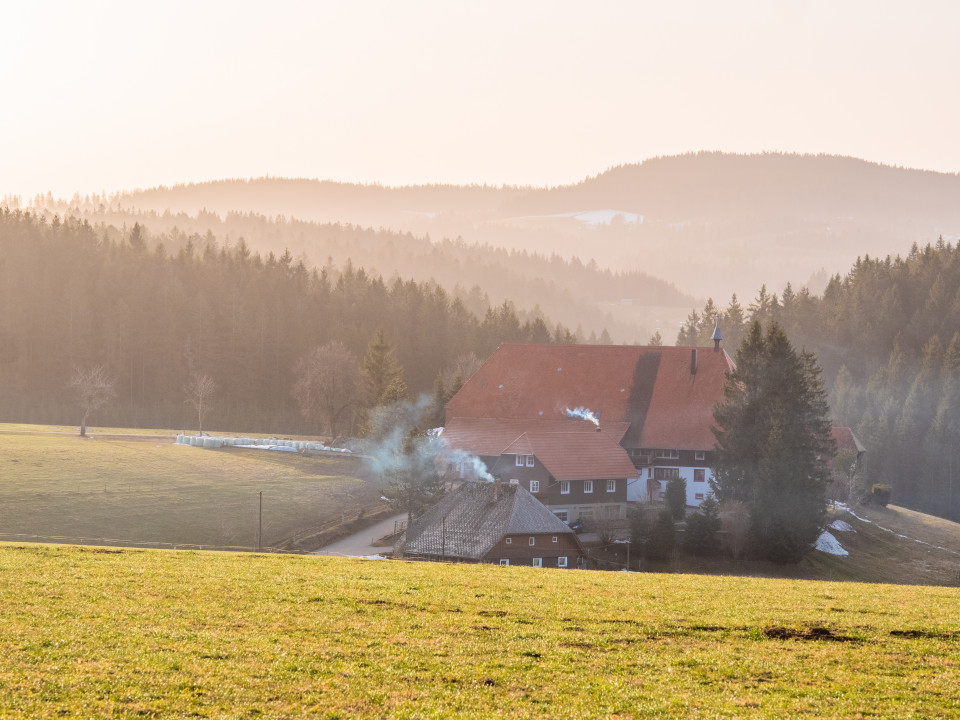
(717, 336)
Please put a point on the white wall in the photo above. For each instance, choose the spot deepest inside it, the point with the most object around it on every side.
(637, 488)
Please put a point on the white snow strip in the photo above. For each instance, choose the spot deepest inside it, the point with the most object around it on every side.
(842, 506)
(841, 526)
(828, 543)
(599, 217)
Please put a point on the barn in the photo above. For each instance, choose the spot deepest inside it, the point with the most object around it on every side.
(492, 522)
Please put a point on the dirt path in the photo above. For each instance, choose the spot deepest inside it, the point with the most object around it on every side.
(360, 544)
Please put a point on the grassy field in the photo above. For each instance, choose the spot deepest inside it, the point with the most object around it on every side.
(98, 632)
(141, 488)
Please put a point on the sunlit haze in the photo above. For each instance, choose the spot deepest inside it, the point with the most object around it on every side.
(116, 95)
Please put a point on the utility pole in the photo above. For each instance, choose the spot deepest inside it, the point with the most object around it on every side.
(260, 521)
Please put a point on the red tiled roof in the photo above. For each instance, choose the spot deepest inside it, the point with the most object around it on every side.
(576, 456)
(846, 440)
(492, 436)
(650, 388)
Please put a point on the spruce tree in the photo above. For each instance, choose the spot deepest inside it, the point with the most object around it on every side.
(382, 373)
(676, 497)
(774, 443)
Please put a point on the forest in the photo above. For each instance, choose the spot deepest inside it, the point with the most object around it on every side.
(626, 303)
(157, 309)
(72, 297)
(710, 223)
(887, 335)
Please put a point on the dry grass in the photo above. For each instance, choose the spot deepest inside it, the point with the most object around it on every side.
(55, 485)
(88, 632)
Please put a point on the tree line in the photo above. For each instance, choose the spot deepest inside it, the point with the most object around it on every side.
(887, 335)
(73, 297)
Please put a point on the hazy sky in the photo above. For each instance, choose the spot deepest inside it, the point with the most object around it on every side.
(114, 95)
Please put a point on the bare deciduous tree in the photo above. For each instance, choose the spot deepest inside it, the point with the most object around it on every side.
(94, 388)
(328, 386)
(199, 390)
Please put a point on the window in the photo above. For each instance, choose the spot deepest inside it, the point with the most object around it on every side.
(668, 454)
(519, 461)
(611, 485)
(666, 473)
(561, 562)
(554, 538)
(698, 496)
(532, 540)
(509, 541)
(538, 562)
(514, 481)
(529, 460)
(564, 487)
(699, 476)
(700, 455)
(504, 561)
(534, 486)
(562, 514)
(587, 487)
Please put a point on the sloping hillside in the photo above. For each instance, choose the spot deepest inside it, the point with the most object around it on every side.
(123, 489)
(891, 544)
(97, 632)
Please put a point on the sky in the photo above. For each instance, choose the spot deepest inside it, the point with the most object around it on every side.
(107, 96)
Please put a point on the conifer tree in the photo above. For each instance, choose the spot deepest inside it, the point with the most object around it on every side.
(774, 443)
(732, 322)
(676, 497)
(382, 373)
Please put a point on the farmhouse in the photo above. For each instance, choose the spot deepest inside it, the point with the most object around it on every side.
(588, 428)
(492, 522)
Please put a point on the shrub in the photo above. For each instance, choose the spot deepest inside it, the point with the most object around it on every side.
(702, 528)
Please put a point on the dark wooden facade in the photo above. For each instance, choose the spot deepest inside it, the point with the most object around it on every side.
(549, 548)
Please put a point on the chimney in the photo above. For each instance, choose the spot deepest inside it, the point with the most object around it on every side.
(693, 361)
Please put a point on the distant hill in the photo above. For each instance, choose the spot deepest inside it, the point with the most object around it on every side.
(711, 223)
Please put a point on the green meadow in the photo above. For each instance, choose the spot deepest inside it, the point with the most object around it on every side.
(126, 488)
(104, 632)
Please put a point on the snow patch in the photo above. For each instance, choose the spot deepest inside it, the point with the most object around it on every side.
(600, 217)
(841, 526)
(828, 543)
(843, 506)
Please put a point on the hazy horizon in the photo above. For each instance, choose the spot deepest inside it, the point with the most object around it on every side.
(114, 97)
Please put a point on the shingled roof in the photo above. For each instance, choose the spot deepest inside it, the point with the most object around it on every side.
(576, 456)
(492, 436)
(470, 520)
(665, 395)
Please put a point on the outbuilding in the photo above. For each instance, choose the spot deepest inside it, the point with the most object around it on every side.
(492, 522)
